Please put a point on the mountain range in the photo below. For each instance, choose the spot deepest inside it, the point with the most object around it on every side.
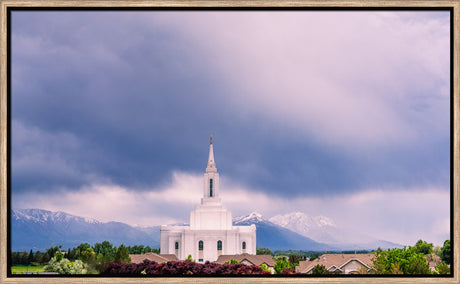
(39, 229)
(324, 229)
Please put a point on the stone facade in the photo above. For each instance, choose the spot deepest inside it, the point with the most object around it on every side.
(211, 232)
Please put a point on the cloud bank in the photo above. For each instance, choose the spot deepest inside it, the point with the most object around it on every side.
(389, 214)
(311, 110)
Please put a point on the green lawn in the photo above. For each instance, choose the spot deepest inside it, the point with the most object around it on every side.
(21, 269)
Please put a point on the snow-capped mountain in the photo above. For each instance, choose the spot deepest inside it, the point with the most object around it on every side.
(38, 215)
(275, 237)
(324, 229)
(40, 229)
(253, 218)
(307, 222)
(318, 228)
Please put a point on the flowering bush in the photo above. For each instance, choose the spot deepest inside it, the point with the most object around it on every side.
(180, 268)
(64, 266)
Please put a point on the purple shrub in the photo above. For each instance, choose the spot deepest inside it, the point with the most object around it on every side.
(148, 267)
(288, 271)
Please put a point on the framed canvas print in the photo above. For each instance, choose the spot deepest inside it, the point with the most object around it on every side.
(251, 141)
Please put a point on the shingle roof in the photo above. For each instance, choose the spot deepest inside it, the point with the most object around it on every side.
(254, 259)
(138, 258)
(169, 257)
(335, 260)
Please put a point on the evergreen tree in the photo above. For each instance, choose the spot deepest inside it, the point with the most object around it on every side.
(46, 257)
(30, 258)
(38, 257)
(123, 254)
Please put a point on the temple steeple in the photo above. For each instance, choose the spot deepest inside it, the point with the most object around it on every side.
(211, 164)
(211, 179)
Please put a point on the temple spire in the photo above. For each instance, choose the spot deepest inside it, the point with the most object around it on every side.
(211, 163)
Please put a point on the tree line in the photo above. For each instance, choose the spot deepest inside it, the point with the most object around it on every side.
(103, 252)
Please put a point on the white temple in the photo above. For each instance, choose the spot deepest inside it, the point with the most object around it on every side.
(211, 232)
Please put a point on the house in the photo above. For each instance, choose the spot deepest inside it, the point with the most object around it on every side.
(211, 232)
(138, 258)
(249, 259)
(433, 260)
(339, 263)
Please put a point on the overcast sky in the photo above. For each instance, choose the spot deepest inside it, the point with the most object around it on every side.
(340, 114)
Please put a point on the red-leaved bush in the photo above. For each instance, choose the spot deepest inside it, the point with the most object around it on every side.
(180, 268)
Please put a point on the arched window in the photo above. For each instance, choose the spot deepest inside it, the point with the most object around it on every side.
(219, 245)
(200, 245)
(176, 245)
(244, 245)
(210, 187)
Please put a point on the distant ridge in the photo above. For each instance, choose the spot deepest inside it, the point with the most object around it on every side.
(324, 229)
(39, 229)
(275, 237)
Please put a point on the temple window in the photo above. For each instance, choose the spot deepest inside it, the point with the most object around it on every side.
(210, 187)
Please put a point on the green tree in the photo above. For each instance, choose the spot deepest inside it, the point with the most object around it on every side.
(423, 247)
(282, 264)
(83, 246)
(395, 269)
(108, 249)
(314, 256)
(52, 250)
(88, 256)
(437, 250)
(418, 265)
(231, 261)
(74, 254)
(97, 248)
(123, 254)
(443, 268)
(46, 257)
(319, 270)
(30, 257)
(264, 267)
(294, 260)
(59, 255)
(38, 257)
(393, 261)
(445, 252)
(23, 257)
(261, 251)
(189, 258)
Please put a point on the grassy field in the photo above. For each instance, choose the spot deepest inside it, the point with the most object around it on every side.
(21, 269)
